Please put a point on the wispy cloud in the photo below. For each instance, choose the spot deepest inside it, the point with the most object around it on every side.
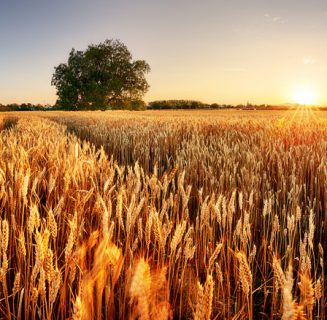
(308, 60)
(275, 19)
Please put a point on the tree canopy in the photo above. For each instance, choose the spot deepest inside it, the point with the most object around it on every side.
(102, 76)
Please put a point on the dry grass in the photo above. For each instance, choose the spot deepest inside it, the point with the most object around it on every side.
(155, 215)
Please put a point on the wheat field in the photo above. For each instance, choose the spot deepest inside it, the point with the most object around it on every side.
(162, 215)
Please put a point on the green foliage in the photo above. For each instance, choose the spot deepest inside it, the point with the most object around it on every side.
(103, 75)
(177, 104)
(127, 105)
(137, 105)
(23, 107)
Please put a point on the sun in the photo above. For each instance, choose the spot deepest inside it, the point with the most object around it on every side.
(305, 96)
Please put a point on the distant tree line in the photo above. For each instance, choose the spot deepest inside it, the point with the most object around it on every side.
(117, 105)
(184, 104)
(24, 107)
(154, 105)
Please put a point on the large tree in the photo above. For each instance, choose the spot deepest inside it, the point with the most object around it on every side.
(100, 76)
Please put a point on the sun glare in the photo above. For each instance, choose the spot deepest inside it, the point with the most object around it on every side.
(305, 96)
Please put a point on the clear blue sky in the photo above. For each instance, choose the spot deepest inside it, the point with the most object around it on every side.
(210, 50)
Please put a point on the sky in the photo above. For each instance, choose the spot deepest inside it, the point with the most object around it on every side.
(230, 51)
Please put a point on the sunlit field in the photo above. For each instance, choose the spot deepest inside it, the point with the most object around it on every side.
(162, 215)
